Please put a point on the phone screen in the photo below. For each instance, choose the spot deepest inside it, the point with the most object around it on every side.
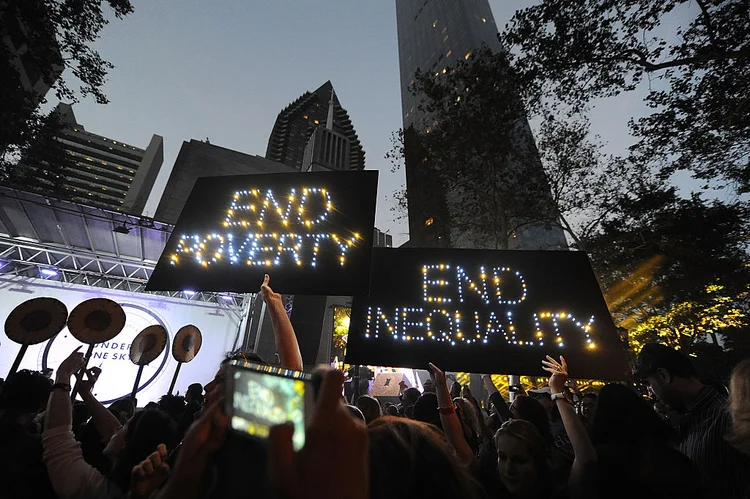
(263, 396)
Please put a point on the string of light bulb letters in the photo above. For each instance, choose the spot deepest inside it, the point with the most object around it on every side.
(441, 318)
(263, 228)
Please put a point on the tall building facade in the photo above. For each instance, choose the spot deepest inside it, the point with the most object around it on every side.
(382, 239)
(202, 159)
(434, 35)
(290, 140)
(101, 171)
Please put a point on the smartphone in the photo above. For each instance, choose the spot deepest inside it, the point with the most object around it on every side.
(261, 396)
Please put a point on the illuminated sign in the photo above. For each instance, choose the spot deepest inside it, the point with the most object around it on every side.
(484, 312)
(311, 231)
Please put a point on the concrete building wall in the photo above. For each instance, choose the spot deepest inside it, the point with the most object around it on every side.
(200, 159)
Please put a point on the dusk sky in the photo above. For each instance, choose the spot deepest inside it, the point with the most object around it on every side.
(224, 69)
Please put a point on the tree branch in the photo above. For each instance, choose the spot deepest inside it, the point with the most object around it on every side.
(707, 21)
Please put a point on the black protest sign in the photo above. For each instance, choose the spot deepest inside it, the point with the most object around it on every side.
(485, 312)
(312, 232)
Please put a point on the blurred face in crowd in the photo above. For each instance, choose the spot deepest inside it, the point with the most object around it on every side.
(518, 470)
(660, 387)
(545, 399)
(116, 443)
(215, 387)
(588, 404)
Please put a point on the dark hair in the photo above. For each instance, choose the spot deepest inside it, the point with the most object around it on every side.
(623, 417)
(410, 395)
(356, 413)
(410, 460)
(146, 430)
(195, 391)
(174, 405)
(655, 356)
(25, 391)
(590, 395)
(426, 410)
(531, 410)
(126, 405)
(370, 407)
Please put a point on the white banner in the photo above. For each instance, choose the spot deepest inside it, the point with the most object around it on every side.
(219, 325)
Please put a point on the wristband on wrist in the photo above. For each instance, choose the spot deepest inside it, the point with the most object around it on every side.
(447, 410)
(559, 396)
(61, 386)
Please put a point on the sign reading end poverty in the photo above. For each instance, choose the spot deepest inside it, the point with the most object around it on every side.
(485, 312)
(312, 232)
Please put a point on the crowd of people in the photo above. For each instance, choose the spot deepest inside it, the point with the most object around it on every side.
(686, 440)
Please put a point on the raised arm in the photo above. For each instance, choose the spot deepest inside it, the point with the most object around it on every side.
(69, 474)
(283, 332)
(452, 428)
(582, 483)
(105, 422)
(496, 398)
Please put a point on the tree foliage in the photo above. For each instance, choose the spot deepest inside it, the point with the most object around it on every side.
(698, 72)
(662, 251)
(47, 37)
(686, 323)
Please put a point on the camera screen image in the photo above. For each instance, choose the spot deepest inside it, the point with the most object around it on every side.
(262, 400)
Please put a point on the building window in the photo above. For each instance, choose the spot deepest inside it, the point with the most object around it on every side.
(429, 222)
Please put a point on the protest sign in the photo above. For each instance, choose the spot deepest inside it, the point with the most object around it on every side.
(312, 232)
(484, 311)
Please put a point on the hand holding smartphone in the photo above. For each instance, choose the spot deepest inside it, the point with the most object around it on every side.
(261, 396)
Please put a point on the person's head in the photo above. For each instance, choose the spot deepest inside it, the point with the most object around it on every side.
(81, 414)
(409, 397)
(370, 407)
(588, 405)
(623, 417)
(174, 405)
(134, 441)
(531, 410)
(522, 458)
(215, 387)
(356, 413)
(543, 396)
(24, 394)
(426, 410)
(123, 409)
(739, 406)
(670, 375)
(428, 386)
(391, 410)
(409, 459)
(194, 393)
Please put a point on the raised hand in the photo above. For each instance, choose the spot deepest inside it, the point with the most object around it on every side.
(266, 293)
(87, 384)
(559, 371)
(150, 474)
(334, 441)
(438, 376)
(70, 365)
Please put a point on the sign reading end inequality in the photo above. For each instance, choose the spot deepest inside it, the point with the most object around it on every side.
(312, 231)
(484, 311)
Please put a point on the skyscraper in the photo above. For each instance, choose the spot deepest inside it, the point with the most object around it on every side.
(102, 172)
(432, 36)
(296, 124)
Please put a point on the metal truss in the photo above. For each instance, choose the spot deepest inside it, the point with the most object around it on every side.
(46, 261)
